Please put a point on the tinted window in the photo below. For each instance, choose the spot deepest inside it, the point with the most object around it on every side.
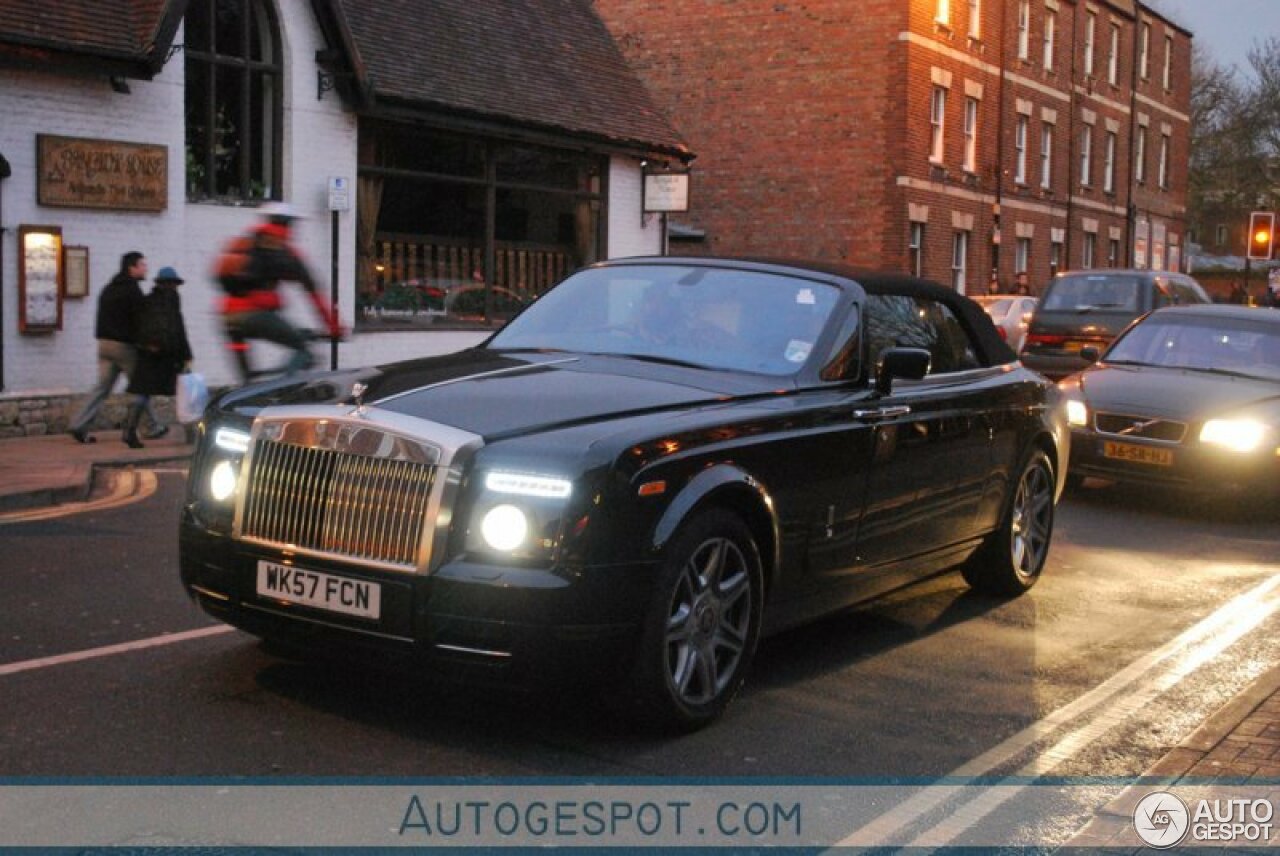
(895, 320)
(1095, 291)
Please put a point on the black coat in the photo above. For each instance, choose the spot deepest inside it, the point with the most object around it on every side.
(119, 305)
(162, 353)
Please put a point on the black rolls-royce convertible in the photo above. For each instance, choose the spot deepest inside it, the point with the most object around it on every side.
(647, 469)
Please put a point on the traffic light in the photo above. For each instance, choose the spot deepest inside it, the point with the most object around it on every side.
(1262, 234)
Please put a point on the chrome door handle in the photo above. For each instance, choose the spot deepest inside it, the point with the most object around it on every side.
(882, 412)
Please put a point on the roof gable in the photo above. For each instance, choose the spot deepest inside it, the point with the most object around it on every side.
(548, 63)
(125, 32)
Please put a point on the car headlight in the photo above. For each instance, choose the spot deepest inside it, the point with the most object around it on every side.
(1236, 435)
(222, 480)
(229, 448)
(1077, 413)
(518, 515)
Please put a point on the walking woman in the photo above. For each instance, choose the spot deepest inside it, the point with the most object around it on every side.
(163, 350)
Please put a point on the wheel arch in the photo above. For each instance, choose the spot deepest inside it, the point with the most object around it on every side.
(727, 486)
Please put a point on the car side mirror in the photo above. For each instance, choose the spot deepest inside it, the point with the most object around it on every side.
(908, 363)
(1090, 353)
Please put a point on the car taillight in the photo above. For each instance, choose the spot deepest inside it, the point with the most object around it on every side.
(1045, 339)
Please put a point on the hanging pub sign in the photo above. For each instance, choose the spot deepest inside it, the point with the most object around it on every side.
(75, 172)
(666, 192)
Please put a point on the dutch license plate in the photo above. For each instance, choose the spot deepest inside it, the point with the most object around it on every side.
(1138, 454)
(318, 590)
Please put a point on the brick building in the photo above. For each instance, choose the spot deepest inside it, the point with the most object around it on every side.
(952, 138)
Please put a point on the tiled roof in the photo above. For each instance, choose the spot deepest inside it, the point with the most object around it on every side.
(120, 29)
(548, 63)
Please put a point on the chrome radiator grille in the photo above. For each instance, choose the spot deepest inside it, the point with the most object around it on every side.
(1149, 428)
(336, 502)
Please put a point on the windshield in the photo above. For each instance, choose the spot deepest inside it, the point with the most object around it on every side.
(1094, 291)
(1230, 345)
(717, 318)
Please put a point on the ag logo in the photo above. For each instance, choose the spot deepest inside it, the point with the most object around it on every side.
(1161, 819)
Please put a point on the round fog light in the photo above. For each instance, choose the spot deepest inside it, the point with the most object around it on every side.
(222, 481)
(504, 527)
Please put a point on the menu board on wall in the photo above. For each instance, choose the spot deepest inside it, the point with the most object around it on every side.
(39, 279)
(75, 172)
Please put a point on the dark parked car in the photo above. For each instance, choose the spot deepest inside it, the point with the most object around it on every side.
(1187, 397)
(655, 463)
(1089, 308)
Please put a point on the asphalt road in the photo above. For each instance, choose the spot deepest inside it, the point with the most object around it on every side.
(1151, 614)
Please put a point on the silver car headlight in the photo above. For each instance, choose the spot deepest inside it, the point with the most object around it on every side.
(1235, 435)
(229, 448)
(518, 515)
(1077, 413)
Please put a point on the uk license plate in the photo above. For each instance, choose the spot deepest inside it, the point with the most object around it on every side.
(1138, 454)
(319, 590)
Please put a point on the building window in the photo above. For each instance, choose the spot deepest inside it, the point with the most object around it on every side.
(1055, 258)
(1090, 34)
(1113, 253)
(1022, 256)
(1221, 235)
(1086, 155)
(971, 135)
(1162, 177)
(1050, 37)
(1168, 62)
(915, 250)
(1113, 56)
(1140, 156)
(959, 260)
(943, 13)
(975, 19)
(937, 121)
(233, 100)
(1087, 250)
(1046, 156)
(1109, 164)
(1144, 51)
(1020, 147)
(1024, 29)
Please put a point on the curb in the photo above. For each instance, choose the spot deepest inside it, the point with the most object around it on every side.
(81, 487)
(1112, 826)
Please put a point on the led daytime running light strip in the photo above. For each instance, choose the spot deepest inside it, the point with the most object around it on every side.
(528, 485)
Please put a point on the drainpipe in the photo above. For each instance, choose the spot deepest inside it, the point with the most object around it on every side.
(997, 209)
(4, 173)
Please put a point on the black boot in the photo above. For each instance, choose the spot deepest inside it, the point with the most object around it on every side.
(131, 425)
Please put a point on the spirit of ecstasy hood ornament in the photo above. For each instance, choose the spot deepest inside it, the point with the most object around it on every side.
(357, 395)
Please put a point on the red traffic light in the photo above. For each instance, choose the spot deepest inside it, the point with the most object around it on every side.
(1262, 232)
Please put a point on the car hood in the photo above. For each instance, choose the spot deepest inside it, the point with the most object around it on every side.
(1189, 395)
(496, 394)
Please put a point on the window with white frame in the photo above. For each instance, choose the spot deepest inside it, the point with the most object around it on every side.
(1162, 177)
(943, 13)
(1086, 155)
(1109, 164)
(1168, 62)
(1020, 150)
(1221, 235)
(1088, 248)
(1090, 36)
(975, 19)
(1024, 29)
(915, 249)
(1055, 257)
(1050, 37)
(1140, 156)
(937, 123)
(1046, 155)
(970, 134)
(959, 260)
(1113, 253)
(1144, 50)
(1022, 256)
(1113, 56)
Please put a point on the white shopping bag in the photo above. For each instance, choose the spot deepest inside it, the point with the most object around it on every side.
(193, 397)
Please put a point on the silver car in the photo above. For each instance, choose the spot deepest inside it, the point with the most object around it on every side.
(1011, 314)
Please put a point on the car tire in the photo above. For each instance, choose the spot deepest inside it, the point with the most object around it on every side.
(1010, 561)
(701, 627)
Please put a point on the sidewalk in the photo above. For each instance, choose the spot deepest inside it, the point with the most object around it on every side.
(51, 469)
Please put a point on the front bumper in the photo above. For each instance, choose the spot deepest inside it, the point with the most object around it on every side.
(513, 626)
(1191, 467)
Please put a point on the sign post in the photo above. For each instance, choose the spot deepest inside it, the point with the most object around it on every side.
(664, 192)
(339, 200)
